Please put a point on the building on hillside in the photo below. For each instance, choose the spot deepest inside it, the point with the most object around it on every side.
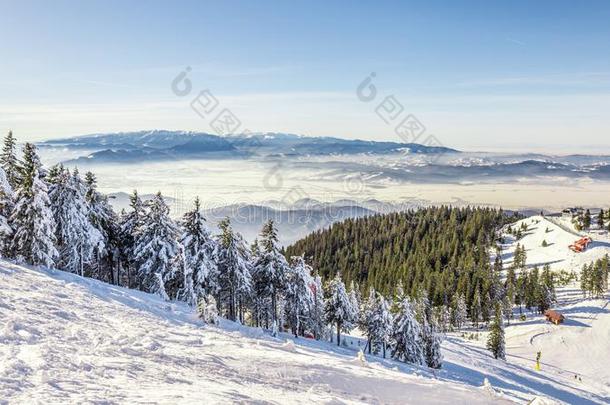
(554, 316)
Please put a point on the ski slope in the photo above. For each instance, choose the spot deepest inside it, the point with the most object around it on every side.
(559, 234)
(576, 352)
(65, 339)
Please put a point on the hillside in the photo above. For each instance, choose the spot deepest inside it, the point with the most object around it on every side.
(441, 249)
(64, 338)
(68, 339)
(580, 345)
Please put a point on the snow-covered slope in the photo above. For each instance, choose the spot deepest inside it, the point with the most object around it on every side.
(64, 339)
(576, 353)
(559, 234)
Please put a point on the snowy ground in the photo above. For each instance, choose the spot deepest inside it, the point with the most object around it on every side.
(576, 353)
(65, 339)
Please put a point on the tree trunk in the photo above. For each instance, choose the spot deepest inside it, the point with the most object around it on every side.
(338, 334)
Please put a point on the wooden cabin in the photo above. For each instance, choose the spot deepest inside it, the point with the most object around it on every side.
(554, 316)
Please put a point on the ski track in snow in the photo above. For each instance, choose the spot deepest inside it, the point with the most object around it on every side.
(66, 339)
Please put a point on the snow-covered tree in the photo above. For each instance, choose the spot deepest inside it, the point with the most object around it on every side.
(407, 344)
(156, 248)
(7, 204)
(103, 218)
(76, 237)
(338, 308)
(430, 338)
(298, 296)
(317, 319)
(355, 298)
(200, 270)
(234, 275)
(495, 342)
(376, 322)
(9, 161)
(459, 311)
(207, 309)
(442, 316)
(32, 220)
(129, 230)
(270, 270)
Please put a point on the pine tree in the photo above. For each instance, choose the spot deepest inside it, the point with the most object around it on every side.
(76, 237)
(407, 345)
(475, 308)
(366, 320)
(355, 299)
(338, 308)
(156, 248)
(32, 219)
(377, 322)
(459, 314)
(7, 204)
(495, 342)
(600, 218)
(507, 308)
(200, 271)
(129, 231)
(430, 339)
(298, 296)
(270, 271)
(317, 321)
(9, 161)
(586, 220)
(234, 276)
(106, 264)
(207, 309)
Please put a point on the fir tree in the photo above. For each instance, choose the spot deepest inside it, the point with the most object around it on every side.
(459, 312)
(586, 220)
(9, 161)
(338, 308)
(495, 342)
(475, 309)
(32, 219)
(76, 237)
(156, 248)
(200, 273)
(270, 270)
(600, 218)
(298, 296)
(407, 345)
(129, 231)
(207, 309)
(103, 218)
(234, 276)
(7, 204)
(317, 321)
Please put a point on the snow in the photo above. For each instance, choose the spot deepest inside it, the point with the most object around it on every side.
(67, 339)
(576, 352)
(557, 254)
(64, 339)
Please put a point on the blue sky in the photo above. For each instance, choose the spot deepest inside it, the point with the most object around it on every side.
(516, 75)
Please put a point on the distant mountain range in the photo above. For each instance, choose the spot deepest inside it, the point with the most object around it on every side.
(159, 145)
(293, 221)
